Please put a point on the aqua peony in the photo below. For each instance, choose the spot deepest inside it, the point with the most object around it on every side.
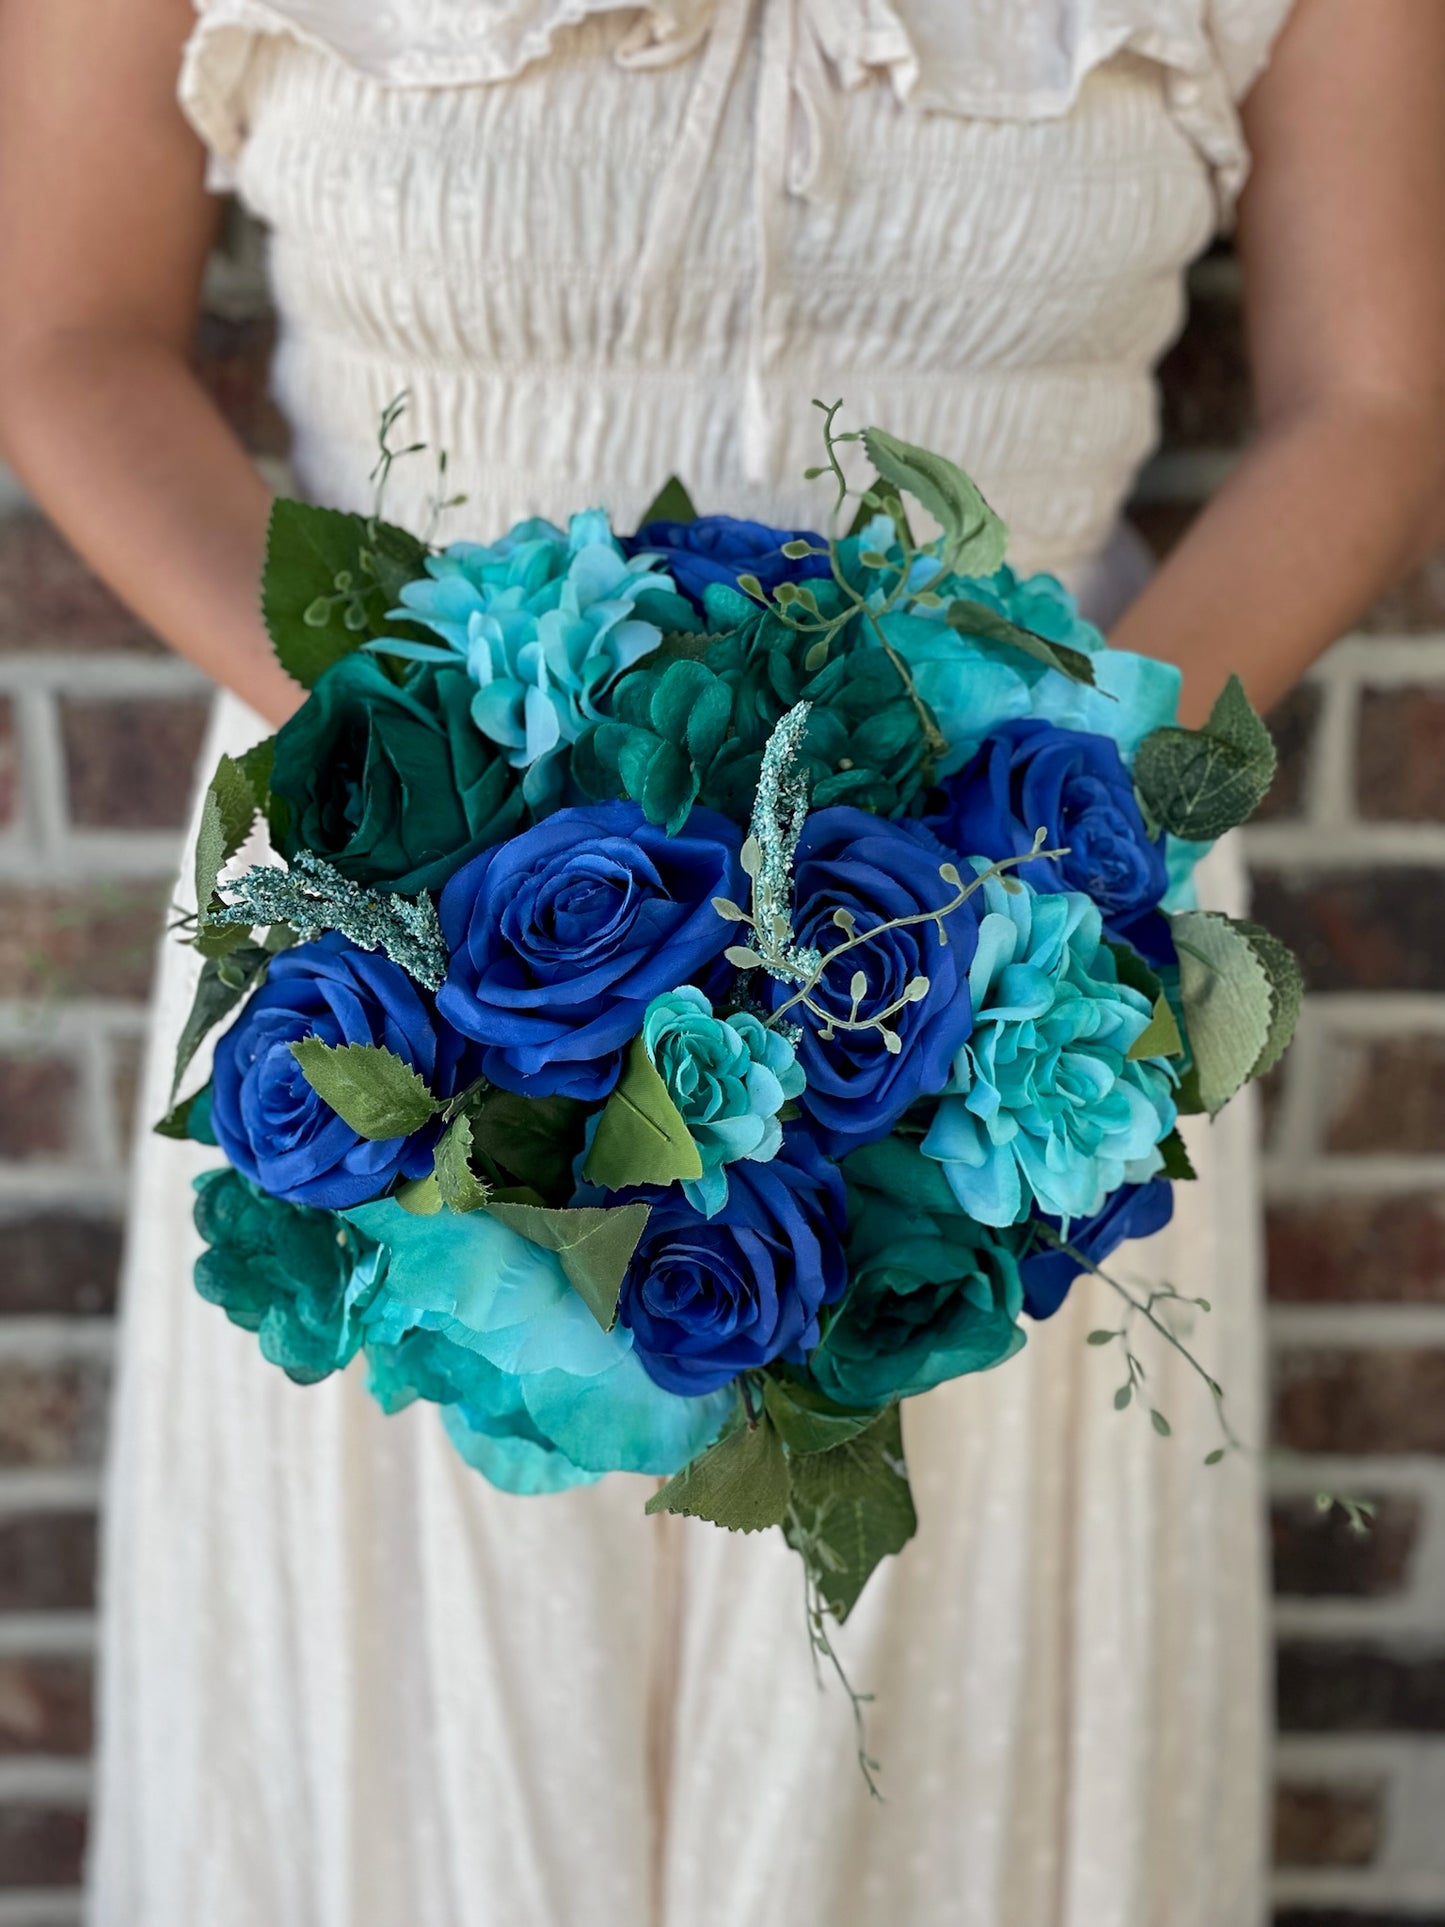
(1045, 1109)
(729, 1078)
(544, 622)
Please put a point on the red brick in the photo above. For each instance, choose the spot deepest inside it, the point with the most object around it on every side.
(1401, 761)
(127, 1062)
(1388, 1095)
(9, 767)
(52, 1415)
(41, 1846)
(37, 1107)
(1360, 1401)
(1328, 1826)
(1365, 1250)
(47, 1562)
(1317, 1556)
(96, 942)
(130, 765)
(1322, 1687)
(1359, 929)
(50, 600)
(1292, 723)
(45, 1707)
(1205, 380)
(1416, 607)
(233, 360)
(58, 1267)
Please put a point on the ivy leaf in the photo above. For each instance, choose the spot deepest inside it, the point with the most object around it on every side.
(533, 1139)
(329, 580)
(974, 538)
(851, 1507)
(1198, 783)
(1177, 1163)
(741, 1482)
(458, 1186)
(1286, 985)
(641, 1136)
(976, 619)
(672, 503)
(1227, 1002)
(223, 982)
(369, 1087)
(808, 1420)
(594, 1244)
(1161, 1038)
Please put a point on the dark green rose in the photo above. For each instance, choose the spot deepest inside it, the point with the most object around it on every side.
(394, 785)
(933, 1295)
(297, 1278)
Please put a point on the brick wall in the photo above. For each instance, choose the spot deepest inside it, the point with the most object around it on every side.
(98, 728)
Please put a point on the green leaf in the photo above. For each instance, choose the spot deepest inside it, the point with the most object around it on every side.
(223, 983)
(672, 503)
(851, 1508)
(976, 619)
(1160, 1423)
(314, 621)
(1177, 1165)
(256, 765)
(1122, 1397)
(533, 1139)
(458, 1185)
(369, 1087)
(1286, 985)
(1101, 1337)
(974, 538)
(1198, 783)
(1227, 1001)
(809, 1421)
(226, 818)
(641, 1136)
(1162, 1038)
(189, 1120)
(741, 1482)
(594, 1244)
(422, 1197)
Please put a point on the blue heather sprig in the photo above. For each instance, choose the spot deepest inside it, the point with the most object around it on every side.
(313, 896)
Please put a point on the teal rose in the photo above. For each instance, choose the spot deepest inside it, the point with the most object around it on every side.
(729, 1078)
(392, 783)
(933, 1296)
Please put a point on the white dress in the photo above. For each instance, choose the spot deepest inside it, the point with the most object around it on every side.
(346, 1684)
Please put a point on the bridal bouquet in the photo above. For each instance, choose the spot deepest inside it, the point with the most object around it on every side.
(706, 986)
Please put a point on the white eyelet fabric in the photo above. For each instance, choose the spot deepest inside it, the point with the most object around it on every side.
(345, 1683)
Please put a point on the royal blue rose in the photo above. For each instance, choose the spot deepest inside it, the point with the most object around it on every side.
(1032, 775)
(707, 1298)
(561, 938)
(720, 548)
(876, 874)
(1133, 1211)
(267, 1119)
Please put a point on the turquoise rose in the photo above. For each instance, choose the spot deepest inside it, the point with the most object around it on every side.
(933, 1296)
(545, 623)
(729, 1078)
(1044, 1108)
(535, 1395)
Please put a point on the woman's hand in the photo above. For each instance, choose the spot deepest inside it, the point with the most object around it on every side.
(1342, 240)
(105, 226)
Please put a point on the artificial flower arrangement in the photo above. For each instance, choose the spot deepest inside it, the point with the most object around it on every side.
(708, 987)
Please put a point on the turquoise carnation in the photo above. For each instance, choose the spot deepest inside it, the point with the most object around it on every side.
(933, 1295)
(545, 623)
(1045, 1110)
(729, 1078)
(534, 1393)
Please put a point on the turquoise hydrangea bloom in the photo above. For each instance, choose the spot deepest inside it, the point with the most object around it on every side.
(535, 1394)
(729, 1078)
(1045, 1110)
(972, 688)
(545, 622)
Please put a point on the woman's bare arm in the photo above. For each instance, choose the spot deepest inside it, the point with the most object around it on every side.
(1342, 239)
(105, 226)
